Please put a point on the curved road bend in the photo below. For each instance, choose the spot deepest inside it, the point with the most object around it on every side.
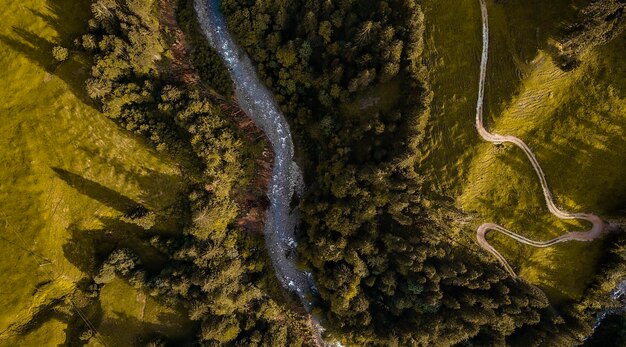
(259, 104)
(598, 225)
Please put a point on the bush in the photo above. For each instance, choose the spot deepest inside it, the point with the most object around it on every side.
(60, 53)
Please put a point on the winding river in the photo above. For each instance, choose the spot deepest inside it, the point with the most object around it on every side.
(598, 226)
(259, 104)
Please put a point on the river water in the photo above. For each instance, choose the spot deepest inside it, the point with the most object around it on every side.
(259, 104)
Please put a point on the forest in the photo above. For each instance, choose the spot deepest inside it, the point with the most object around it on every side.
(377, 246)
(376, 243)
(352, 79)
(597, 24)
(215, 269)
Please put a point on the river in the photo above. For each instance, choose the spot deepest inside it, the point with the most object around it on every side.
(258, 103)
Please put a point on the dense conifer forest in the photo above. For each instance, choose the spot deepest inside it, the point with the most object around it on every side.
(352, 79)
(376, 243)
(377, 246)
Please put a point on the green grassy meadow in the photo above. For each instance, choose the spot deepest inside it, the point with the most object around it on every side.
(67, 176)
(574, 121)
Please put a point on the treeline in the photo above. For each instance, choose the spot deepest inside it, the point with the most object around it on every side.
(128, 55)
(598, 23)
(213, 269)
(386, 272)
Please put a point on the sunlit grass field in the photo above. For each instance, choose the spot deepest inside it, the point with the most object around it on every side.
(66, 176)
(574, 121)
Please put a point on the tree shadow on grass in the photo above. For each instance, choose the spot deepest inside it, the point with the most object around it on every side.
(613, 67)
(68, 18)
(76, 315)
(41, 316)
(76, 325)
(87, 249)
(101, 193)
(608, 201)
(177, 330)
(170, 218)
(151, 182)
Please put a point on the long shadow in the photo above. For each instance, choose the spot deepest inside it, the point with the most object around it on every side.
(76, 325)
(68, 18)
(87, 249)
(560, 155)
(131, 209)
(613, 67)
(146, 332)
(41, 316)
(151, 183)
(36, 48)
(90, 309)
(101, 193)
(171, 216)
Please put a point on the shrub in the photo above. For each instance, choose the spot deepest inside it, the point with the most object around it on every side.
(60, 53)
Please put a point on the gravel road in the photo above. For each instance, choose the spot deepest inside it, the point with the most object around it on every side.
(598, 226)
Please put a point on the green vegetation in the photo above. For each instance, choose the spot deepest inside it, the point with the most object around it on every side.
(370, 233)
(205, 60)
(517, 31)
(574, 111)
(597, 24)
(48, 128)
(380, 250)
(129, 177)
(118, 235)
(134, 315)
(573, 120)
(530, 97)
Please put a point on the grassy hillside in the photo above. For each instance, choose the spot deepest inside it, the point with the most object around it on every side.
(518, 30)
(135, 314)
(68, 174)
(574, 122)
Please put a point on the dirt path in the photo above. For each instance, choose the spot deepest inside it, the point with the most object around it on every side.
(598, 226)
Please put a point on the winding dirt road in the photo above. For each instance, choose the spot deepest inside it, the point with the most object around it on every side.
(598, 225)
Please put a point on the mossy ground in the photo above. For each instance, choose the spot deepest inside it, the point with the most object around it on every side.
(67, 172)
(575, 122)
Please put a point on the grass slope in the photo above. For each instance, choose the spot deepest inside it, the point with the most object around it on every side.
(136, 315)
(63, 168)
(574, 122)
